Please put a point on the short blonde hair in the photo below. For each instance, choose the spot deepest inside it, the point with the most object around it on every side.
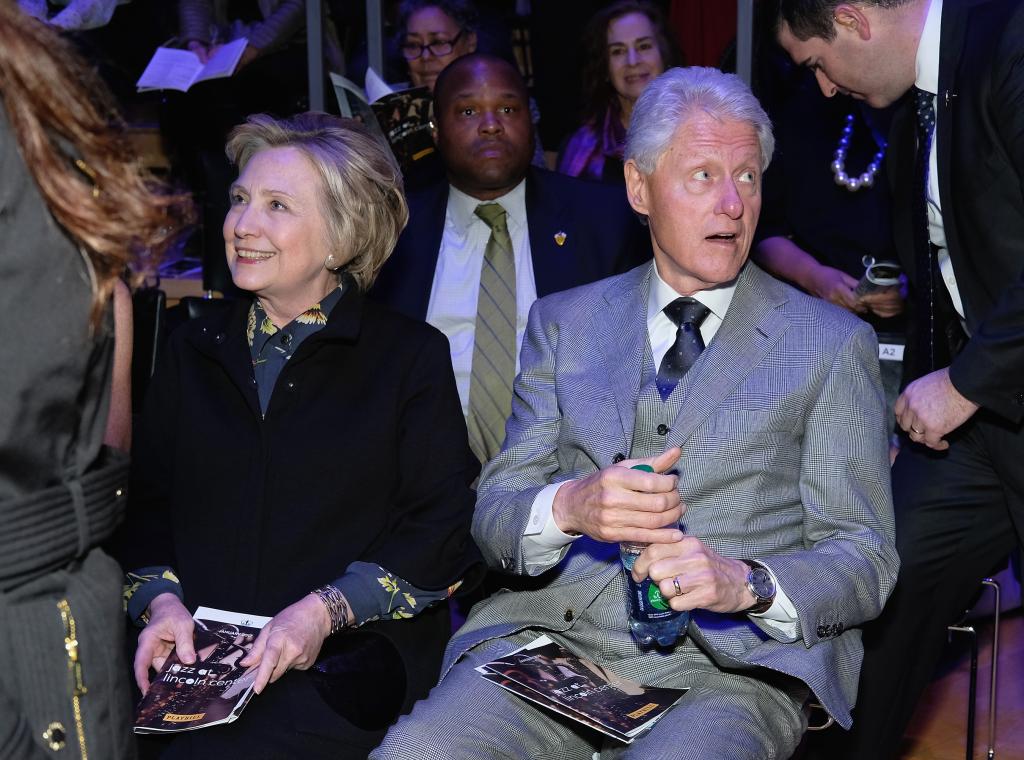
(361, 196)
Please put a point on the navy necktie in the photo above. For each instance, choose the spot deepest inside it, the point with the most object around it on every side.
(687, 314)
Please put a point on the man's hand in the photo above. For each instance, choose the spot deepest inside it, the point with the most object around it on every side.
(930, 407)
(835, 287)
(707, 580)
(620, 504)
(291, 640)
(884, 303)
(170, 627)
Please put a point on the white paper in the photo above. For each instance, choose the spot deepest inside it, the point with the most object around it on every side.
(376, 87)
(174, 69)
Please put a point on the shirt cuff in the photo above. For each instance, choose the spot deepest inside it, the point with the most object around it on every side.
(146, 584)
(781, 616)
(374, 593)
(544, 544)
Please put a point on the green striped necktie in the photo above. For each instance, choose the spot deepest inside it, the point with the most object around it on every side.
(494, 340)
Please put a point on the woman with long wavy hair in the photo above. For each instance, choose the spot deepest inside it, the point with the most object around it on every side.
(75, 210)
(625, 46)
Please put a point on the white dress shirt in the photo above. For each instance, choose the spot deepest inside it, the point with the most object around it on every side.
(453, 296)
(928, 80)
(544, 544)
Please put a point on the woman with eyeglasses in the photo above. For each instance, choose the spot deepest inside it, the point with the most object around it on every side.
(625, 46)
(432, 34)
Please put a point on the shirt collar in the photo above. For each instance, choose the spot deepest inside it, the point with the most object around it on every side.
(662, 294)
(461, 207)
(260, 329)
(928, 50)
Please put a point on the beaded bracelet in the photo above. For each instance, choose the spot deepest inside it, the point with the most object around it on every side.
(337, 607)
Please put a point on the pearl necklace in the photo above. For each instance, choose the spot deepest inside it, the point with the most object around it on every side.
(867, 179)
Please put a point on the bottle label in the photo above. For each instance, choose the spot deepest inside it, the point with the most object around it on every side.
(646, 603)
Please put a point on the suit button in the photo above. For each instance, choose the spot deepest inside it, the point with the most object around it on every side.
(1019, 398)
(219, 338)
(291, 385)
(618, 458)
(663, 429)
(822, 631)
(568, 616)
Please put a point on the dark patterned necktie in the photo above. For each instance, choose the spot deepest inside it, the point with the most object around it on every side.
(687, 314)
(925, 262)
(494, 339)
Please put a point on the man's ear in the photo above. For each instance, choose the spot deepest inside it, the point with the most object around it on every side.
(853, 19)
(636, 187)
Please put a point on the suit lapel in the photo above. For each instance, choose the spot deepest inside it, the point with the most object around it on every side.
(622, 325)
(752, 326)
(553, 263)
(952, 35)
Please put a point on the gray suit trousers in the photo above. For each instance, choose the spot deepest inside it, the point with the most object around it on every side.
(731, 715)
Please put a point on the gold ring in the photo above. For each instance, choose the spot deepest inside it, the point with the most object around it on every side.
(675, 582)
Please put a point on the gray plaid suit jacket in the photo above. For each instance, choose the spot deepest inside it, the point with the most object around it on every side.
(784, 459)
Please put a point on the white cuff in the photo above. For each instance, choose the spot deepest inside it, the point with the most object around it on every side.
(543, 543)
(781, 616)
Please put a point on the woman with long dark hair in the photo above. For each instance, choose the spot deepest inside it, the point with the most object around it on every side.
(74, 212)
(625, 46)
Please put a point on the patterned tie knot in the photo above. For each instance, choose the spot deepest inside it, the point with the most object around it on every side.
(924, 106)
(687, 311)
(493, 215)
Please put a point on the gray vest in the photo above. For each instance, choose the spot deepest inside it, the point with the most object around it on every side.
(602, 631)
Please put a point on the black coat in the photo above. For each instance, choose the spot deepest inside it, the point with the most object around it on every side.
(362, 455)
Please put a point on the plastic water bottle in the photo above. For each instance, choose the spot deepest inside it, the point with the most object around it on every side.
(651, 619)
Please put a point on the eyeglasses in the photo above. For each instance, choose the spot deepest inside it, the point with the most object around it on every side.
(438, 48)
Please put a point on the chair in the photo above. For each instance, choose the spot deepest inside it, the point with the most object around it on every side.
(965, 627)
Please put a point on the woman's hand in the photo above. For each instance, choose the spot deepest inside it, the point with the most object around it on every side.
(291, 640)
(170, 627)
(836, 287)
(201, 50)
(884, 303)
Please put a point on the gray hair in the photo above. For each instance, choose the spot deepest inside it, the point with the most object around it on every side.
(668, 101)
(361, 197)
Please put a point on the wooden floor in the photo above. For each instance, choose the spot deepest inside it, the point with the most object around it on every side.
(939, 729)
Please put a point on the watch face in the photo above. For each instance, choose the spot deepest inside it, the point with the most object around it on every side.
(761, 583)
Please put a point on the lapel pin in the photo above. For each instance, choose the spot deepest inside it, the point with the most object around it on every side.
(560, 238)
(948, 97)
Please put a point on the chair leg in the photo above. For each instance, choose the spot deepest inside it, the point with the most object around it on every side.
(972, 690)
(994, 668)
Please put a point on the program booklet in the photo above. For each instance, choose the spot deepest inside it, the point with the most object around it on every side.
(403, 117)
(212, 690)
(551, 676)
(174, 69)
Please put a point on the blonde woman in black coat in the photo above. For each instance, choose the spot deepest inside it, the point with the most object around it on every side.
(303, 456)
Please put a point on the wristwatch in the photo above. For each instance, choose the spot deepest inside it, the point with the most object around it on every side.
(761, 585)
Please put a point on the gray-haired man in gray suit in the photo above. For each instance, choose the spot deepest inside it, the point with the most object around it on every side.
(768, 445)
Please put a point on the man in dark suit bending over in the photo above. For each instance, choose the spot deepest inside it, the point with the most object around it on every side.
(481, 247)
(958, 160)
